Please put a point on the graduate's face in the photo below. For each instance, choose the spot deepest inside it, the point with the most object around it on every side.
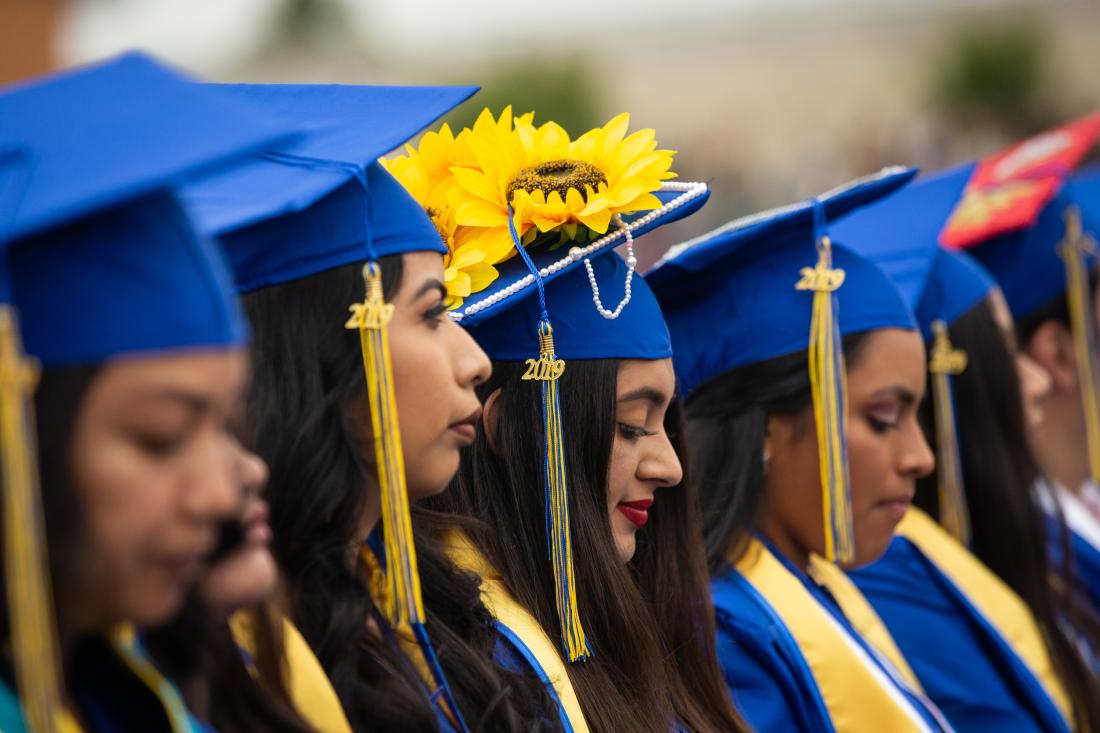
(157, 469)
(436, 365)
(247, 574)
(887, 452)
(642, 458)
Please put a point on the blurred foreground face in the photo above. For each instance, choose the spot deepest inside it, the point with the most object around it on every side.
(244, 572)
(642, 457)
(157, 470)
(887, 453)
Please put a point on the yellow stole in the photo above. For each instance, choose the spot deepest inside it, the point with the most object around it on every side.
(505, 609)
(1002, 608)
(859, 697)
(307, 684)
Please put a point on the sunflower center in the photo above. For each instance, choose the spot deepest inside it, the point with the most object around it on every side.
(558, 175)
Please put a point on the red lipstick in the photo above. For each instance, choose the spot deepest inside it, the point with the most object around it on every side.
(636, 511)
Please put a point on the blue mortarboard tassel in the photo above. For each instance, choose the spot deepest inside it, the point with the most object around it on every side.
(946, 362)
(1076, 249)
(827, 379)
(547, 370)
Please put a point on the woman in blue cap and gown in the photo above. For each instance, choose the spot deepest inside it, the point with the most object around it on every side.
(572, 505)
(802, 371)
(1026, 216)
(342, 271)
(1004, 656)
(144, 359)
(1054, 307)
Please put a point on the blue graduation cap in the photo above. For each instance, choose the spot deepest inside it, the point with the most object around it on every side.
(322, 201)
(89, 230)
(900, 234)
(773, 284)
(97, 233)
(574, 285)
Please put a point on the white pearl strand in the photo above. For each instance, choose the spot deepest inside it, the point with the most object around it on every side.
(689, 191)
(631, 263)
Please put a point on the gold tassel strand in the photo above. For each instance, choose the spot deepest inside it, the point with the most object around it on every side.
(30, 605)
(946, 362)
(547, 369)
(403, 601)
(827, 382)
(1074, 249)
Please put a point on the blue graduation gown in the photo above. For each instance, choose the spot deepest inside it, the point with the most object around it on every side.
(512, 654)
(117, 690)
(767, 674)
(963, 663)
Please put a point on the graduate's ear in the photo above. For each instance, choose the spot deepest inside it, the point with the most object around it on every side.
(1051, 347)
(490, 421)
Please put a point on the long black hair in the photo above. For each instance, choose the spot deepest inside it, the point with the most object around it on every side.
(644, 675)
(727, 420)
(307, 399)
(1007, 522)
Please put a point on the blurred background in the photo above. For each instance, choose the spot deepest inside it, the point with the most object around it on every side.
(769, 100)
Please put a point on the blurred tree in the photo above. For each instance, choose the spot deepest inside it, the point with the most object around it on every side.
(563, 90)
(995, 77)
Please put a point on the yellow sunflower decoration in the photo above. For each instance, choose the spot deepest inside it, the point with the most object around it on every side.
(557, 190)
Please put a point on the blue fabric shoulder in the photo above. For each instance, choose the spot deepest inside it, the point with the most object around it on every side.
(11, 713)
(512, 654)
(979, 684)
(1086, 559)
(766, 674)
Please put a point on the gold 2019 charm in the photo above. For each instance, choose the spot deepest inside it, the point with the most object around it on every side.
(543, 369)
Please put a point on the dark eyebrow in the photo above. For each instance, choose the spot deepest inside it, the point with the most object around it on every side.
(649, 394)
(901, 394)
(429, 285)
(195, 402)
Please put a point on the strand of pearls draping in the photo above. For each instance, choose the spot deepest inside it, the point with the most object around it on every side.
(689, 191)
(631, 263)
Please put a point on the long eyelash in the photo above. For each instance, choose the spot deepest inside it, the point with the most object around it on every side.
(633, 432)
(880, 426)
(435, 312)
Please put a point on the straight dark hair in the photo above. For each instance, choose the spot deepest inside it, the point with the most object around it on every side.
(1008, 526)
(650, 623)
(307, 399)
(727, 419)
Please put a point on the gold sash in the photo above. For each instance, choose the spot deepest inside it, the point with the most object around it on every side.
(859, 697)
(999, 604)
(506, 610)
(309, 688)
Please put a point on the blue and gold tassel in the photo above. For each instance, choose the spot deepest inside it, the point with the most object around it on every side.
(547, 370)
(946, 362)
(403, 601)
(827, 386)
(1075, 250)
(30, 605)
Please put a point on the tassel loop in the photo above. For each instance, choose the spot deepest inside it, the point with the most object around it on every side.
(34, 646)
(403, 600)
(1076, 249)
(946, 362)
(827, 386)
